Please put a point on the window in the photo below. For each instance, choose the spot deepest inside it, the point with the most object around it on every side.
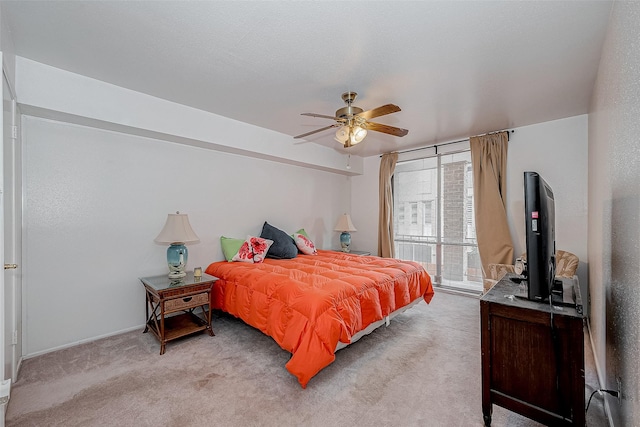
(438, 190)
(426, 212)
(414, 213)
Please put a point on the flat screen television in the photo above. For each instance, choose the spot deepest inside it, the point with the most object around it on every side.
(539, 207)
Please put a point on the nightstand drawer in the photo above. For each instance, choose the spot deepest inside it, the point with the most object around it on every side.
(178, 304)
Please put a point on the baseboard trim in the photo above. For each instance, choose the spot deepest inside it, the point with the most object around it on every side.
(84, 341)
(455, 291)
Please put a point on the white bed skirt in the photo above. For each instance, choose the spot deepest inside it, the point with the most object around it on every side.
(372, 327)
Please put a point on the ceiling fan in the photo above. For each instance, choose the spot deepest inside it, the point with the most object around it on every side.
(353, 122)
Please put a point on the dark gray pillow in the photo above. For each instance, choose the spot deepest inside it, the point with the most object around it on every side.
(284, 247)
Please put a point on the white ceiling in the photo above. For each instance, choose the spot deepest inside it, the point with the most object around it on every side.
(455, 68)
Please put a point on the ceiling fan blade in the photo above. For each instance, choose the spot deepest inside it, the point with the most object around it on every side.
(322, 116)
(380, 111)
(378, 127)
(335, 125)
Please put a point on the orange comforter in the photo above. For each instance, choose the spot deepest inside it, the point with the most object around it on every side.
(309, 303)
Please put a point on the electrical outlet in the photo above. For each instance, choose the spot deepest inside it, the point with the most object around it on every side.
(619, 382)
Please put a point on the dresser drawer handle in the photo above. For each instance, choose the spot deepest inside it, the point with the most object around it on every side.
(187, 299)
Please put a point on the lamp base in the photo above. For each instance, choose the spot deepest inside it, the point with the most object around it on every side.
(177, 255)
(345, 241)
(177, 275)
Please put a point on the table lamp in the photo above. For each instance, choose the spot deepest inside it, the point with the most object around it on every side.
(345, 225)
(177, 232)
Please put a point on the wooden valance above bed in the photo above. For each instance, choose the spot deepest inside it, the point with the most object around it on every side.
(310, 303)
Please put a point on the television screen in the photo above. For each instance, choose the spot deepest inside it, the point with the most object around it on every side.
(539, 209)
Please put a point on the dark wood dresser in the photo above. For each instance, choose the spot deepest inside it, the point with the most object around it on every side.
(532, 356)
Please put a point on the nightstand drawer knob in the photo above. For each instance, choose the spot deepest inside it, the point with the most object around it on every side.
(187, 299)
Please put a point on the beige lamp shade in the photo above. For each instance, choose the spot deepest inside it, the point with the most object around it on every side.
(177, 230)
(344, 224)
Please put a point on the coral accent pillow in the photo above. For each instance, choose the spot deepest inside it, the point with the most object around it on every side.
(253, 250)
(305, 244)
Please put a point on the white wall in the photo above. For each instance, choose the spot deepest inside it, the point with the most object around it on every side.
(614, 219)
(364, 206)
(49, 92)
(8, 50)
(96, 199)
(557, 150)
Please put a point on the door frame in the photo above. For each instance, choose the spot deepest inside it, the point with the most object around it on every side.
(16, 229)
(15, 317)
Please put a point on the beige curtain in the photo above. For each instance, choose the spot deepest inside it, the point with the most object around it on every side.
(385, 219)
(489, 161)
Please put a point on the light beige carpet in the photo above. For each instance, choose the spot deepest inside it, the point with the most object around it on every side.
(422, 370)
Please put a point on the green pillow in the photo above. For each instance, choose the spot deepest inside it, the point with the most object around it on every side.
(230, 246)
(301, 231)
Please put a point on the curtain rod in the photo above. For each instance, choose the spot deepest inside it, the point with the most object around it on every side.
(449, 143)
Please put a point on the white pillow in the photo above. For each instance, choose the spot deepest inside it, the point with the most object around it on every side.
(304, 244)
(253, 250)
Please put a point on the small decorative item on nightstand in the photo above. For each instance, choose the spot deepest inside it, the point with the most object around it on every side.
(345, 225)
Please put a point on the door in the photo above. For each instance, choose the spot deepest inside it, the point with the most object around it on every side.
(11, 232)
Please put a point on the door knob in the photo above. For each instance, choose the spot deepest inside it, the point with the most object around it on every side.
(10, 266)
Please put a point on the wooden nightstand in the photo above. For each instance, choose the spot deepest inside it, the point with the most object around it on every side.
(362, 253)
(167, 296)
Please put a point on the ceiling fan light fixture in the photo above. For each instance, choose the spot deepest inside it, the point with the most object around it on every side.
(342, 134)
(350, 135)
(358, 135)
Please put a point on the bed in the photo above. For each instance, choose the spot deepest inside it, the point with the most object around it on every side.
(313, 305)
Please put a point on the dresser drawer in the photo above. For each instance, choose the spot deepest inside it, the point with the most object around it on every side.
(178, 304)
